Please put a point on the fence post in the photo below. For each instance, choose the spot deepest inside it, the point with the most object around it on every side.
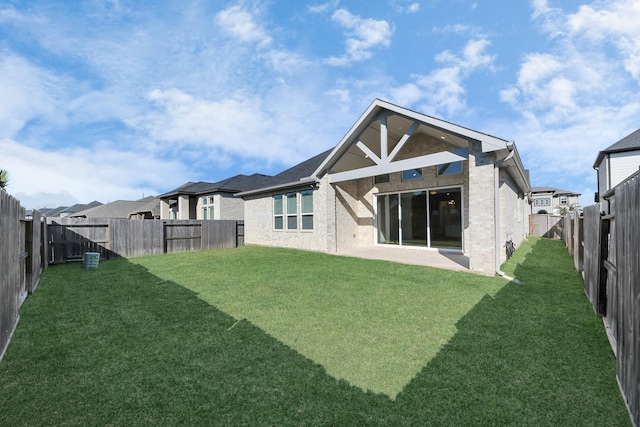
(604, 255)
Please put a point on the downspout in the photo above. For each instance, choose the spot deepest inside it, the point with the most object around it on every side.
(496, 210)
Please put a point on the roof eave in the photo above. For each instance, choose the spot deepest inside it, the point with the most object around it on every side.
(489, 143)
(280, 187)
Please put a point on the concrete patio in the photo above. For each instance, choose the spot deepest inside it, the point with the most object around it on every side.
(430, 258)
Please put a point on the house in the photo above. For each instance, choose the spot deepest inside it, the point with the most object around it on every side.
(549, 200)
(210, 200)
(616, 163)
(399, 179)
(145, 208)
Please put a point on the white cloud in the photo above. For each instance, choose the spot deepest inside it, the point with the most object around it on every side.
(86, 173)
(10, 14)
(616, 23)
(242, 24)
(323, 7)
(28, 93)
(576, 99)
(363, 35)
(442, 91)
(240, 126)
(413, 8)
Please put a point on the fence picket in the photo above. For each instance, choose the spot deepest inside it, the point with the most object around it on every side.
(612, 281)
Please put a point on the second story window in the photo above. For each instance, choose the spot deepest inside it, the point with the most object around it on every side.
(207, 207)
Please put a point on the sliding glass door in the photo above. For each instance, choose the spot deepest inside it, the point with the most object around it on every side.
(414, 218)
(421, 218)
(445, 214)
(388, 219)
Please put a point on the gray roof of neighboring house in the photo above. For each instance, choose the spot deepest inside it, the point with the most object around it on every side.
(554, 191)
(152, 206)
(235, 184)
(117, 209)
(630, 142)
(78, 207)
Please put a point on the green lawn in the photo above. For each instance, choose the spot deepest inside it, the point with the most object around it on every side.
(257, 336)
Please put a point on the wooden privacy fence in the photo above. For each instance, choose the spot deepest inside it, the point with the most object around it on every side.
(70, 238)
(611, 271)
(22, 260)
(546, 225)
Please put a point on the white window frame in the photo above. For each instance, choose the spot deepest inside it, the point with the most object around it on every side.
(278, 215)
(291, 197)
(304, 214)
(293, 210)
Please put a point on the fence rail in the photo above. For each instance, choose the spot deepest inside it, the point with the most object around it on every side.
(29, 245)
(70, 238)
(606, 248)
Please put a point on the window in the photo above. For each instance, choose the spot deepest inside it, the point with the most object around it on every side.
(287, 215)
(380, 179)
(563, 200)
(207, 207)
(450, 168)
(306, 209)
(542, 202)
(292, 211)
(412, 174)
(278, 219)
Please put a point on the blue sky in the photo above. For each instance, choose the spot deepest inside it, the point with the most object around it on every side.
(114, 99)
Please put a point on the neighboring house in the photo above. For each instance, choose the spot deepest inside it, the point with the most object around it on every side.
(210, 200)
(65, 211)
(548, 200)
(148, 207)
(616, 163)
(399, 179)
(147, 210)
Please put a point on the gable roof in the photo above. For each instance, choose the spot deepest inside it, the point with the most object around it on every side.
(235, 184)
(435, 126)
(630, 142)
(310, 171)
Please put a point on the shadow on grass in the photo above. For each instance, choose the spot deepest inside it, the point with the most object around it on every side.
(119, 346)
(535, 354)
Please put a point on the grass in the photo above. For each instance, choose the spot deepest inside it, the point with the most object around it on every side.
(260, 336)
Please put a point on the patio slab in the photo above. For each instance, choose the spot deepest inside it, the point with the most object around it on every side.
(430, 258)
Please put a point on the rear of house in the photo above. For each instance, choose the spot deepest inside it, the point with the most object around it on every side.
(399, 179)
